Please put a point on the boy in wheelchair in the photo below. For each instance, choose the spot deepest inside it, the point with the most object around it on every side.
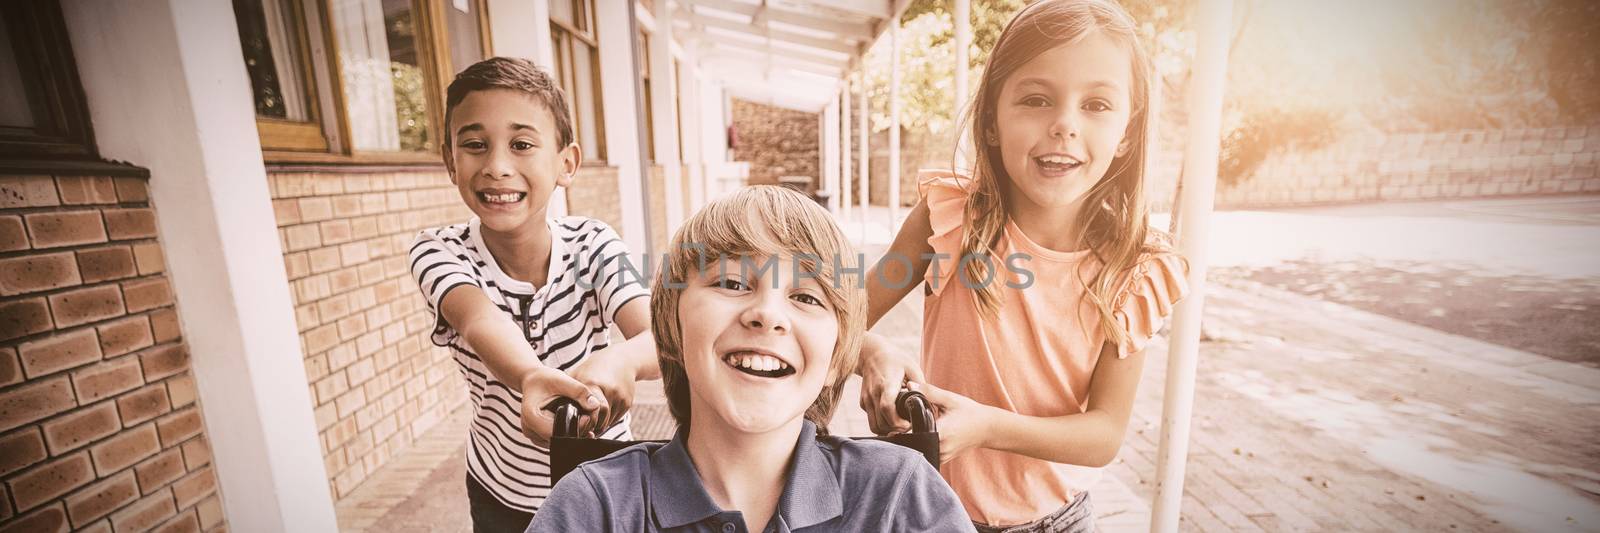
(757, 328)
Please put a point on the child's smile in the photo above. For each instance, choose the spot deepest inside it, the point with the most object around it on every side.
(504, 158)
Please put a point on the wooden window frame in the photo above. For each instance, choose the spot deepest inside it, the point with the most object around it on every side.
(60, 109)
(292, 146)
(294, 135)
(583, 13)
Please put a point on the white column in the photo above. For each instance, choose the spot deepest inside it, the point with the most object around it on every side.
(689, 101)
(864, 164)
(830, 153)
(894, 125)
(522, 29)
(662, 95)
(963, 42)
(618, 87)
(167, 90)
(844, 152)
(1200, 173)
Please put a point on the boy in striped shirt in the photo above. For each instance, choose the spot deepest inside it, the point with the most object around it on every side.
(524, 301)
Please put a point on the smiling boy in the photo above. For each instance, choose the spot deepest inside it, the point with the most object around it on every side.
(757, 328)
(523, 300)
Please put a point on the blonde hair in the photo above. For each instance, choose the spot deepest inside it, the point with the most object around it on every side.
(1114, 222)
(795, 226)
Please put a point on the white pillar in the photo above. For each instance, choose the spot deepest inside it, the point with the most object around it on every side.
(864, 163)
(689, 102)
(894, 125)
(1200, 171)
(830, 153)
(844, 152)
(522, 29)
(963, 42)
(167, 90)
(618, 86)
(663, 93)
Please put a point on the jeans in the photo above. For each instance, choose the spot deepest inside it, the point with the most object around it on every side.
(491, 516)
(1075, 517)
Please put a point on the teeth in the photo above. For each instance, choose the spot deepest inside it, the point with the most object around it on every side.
(504, 198)
(756, 362)
(1058, 160)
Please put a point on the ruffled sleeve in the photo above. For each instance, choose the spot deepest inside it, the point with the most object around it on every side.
(945, 194)
(1156, 283)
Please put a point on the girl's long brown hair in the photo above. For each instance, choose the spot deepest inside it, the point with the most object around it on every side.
(1113, 223)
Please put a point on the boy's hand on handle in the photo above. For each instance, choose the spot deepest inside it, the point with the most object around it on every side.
(613, 377)
(542, 386)
(883, 372)
(962, 421)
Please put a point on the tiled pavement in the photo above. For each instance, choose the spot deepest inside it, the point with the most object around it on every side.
(1309, 416)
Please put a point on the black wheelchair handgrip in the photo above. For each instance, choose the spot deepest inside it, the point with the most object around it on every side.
(566, 411)
(913, 406)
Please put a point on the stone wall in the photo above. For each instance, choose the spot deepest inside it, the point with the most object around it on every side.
(100, 423)
(776, 142)
(594, 194)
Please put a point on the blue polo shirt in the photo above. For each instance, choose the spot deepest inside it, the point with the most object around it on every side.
(834, 484)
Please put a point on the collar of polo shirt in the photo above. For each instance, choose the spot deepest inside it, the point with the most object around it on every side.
(677, 498)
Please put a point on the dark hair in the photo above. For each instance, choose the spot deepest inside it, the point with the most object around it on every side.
(515, 74)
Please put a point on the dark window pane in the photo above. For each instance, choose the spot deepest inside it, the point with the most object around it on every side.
(271, 46)
(14, 110)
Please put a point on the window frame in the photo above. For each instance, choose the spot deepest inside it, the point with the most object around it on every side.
(62, 129)
(291, 147)
(562, 35)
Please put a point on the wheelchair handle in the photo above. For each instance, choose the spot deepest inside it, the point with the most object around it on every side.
(566, 411)
(913, 406)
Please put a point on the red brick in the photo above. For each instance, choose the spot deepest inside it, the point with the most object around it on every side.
(50, 230)
(107, 379)
(10, 368)
(125, 335)
(180, 390)
(286, 212)
(138, 223)
(5, 505)
(81, 427)
(143, 404)
(79, 190)
(50, 481)
(132, 190)
(96, 501)
(100, 264)
(175, 428)
(33, 273)
(323, 259)
(296, 265)
(301, 237)
(125, 449)
(27, 191)
(197, 452)
(147, 255)
(47, 520)
(33, 401)
(102, 526)
(12, 236)
(164, 325)
(315, 209)
(23, 317)
(146, 513)
(59, 352)
(190, 490)
(160, 470)
(86, 305)
(20, 449)
(185, 522)
(335, 231)
(346, 205)
(147, 294)
(163, 361)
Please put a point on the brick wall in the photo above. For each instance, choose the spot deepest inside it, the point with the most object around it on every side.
(100, 423)
(376, 381)
(594, 194)
(776, 142)
(1418, 166)
(658, 208)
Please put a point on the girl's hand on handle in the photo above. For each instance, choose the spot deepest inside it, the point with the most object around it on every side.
(963, 423)
(883, 372)
(543, 385)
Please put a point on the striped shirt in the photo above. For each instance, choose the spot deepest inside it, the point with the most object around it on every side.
(564, 321)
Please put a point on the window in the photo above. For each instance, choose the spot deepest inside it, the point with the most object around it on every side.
(43, 112)
(361, 77)
(578, 70)
(643, 56)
